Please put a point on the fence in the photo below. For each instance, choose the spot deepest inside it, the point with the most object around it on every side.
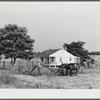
(26, 67)
(30, 68)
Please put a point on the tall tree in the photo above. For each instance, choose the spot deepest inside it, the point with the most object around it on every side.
(76, 48)
(15, 43)
(95, 53)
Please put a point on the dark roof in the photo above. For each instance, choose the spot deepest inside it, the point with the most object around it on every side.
(46, 53)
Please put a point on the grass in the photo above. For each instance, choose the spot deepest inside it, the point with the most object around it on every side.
(89, 79)
(8, 80)
(82, 81)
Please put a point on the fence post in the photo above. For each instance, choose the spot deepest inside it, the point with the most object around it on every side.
(28, 66)
(39, 73)
(81, 69)
(19, 66)
(32, 64)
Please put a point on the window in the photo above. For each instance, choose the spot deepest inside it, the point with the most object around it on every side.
(77, 60)
(52, 59)
(42, 59)
(70, 59)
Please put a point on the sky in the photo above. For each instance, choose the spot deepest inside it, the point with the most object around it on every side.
(51, 24)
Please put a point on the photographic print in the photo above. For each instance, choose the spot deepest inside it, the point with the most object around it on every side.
(49, 45)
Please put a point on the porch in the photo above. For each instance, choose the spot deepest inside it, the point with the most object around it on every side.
(48, 61)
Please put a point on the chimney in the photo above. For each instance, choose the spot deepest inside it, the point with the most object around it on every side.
(64, 47)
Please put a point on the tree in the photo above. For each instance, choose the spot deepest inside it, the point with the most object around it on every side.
(76, 48)
(95, 53)
(15, 43)
(27, 55)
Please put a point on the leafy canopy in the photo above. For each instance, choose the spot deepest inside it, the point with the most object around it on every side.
(76, 48)
(15, 43)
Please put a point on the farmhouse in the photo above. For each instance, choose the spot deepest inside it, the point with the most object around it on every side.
(56, 57)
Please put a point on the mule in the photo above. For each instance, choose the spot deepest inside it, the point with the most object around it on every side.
(73, 67)
(67, 69)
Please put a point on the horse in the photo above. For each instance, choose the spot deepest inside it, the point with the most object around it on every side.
(67, 69)
(73, 67)
(62, 70)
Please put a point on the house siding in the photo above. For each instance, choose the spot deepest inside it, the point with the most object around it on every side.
(63, 55)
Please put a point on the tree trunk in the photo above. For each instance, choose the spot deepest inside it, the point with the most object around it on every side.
(4, 64)
(14, 63)
(13, 60)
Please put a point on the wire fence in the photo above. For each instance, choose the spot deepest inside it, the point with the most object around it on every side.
(31, 67)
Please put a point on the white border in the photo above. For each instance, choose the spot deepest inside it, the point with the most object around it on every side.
(49, 93)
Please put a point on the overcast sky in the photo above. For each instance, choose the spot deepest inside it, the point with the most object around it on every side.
(52, 24)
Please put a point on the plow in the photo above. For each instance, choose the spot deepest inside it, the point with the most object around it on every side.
(62, 70)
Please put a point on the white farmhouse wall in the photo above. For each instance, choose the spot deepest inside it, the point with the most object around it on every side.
(64, 55)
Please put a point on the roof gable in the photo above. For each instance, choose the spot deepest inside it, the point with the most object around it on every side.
(64, 53)
(60, 52)
(46, 53)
